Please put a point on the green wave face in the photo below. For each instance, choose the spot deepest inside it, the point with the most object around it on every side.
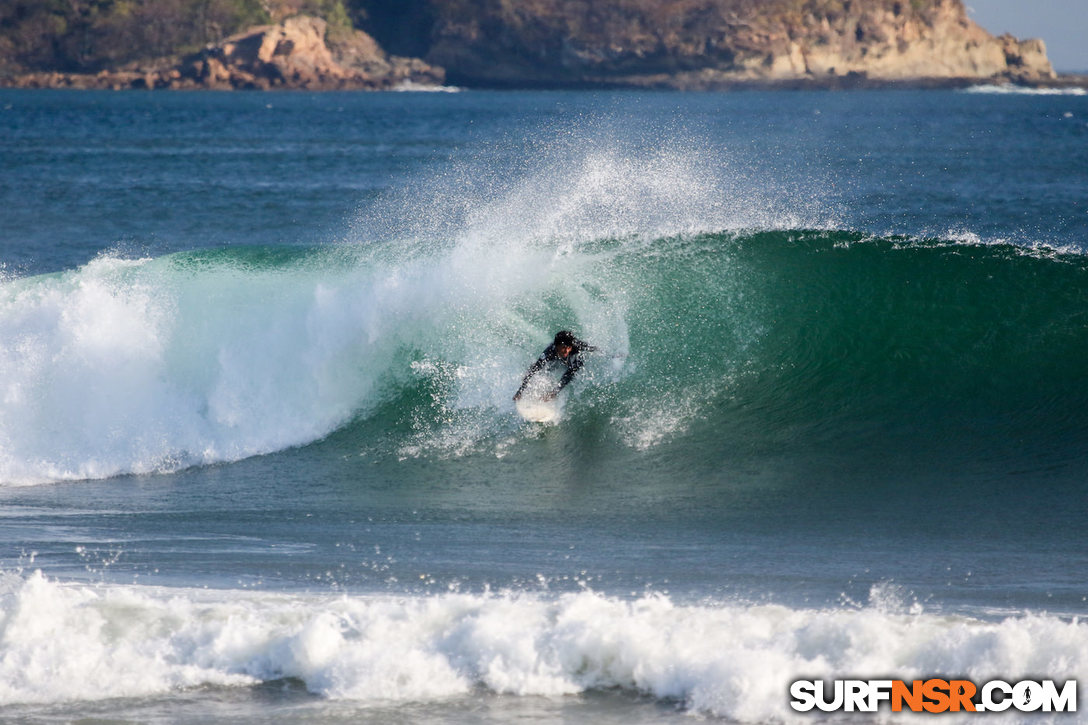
(826, 342)
(901, 346)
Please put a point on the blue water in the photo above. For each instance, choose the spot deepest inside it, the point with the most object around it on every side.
(259, 461)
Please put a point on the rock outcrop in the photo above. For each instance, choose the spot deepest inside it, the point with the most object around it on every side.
(297, 53)
(714, 43)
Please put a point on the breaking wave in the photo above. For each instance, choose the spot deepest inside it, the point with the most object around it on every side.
(70, 642)
(722, 314)
(134, 366)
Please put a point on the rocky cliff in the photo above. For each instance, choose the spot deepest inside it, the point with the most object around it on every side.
(689, 44)
(711, 43)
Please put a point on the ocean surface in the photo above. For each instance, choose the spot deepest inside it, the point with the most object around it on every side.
(259, 460)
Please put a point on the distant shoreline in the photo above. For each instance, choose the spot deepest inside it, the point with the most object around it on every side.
(153, 80)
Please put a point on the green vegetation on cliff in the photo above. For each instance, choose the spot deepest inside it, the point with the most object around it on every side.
(92, 35)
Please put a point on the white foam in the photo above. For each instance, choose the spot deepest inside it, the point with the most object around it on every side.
(67, 642)
(131, 366)
(410, 86)
(1010, 89)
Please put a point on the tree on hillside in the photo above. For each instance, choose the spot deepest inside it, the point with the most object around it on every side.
(89, 35)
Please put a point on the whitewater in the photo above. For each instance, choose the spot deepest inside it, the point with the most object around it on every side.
(725, 660)
(259, 459)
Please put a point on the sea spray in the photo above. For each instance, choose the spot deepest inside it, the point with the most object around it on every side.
(589, 179)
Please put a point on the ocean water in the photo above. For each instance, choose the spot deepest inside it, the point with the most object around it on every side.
(259, 460)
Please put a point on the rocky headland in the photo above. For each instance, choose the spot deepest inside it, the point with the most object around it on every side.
(678, 44)
(715, 43)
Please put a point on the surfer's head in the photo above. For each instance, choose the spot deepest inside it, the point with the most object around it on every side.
(565, 343)
(564, 337)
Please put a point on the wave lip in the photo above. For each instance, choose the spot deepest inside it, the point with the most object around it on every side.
(65, 643)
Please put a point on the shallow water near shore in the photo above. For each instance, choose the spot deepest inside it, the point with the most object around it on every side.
(259, 459)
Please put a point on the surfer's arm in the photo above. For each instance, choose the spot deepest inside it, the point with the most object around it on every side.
(572, 368)
(533, 370)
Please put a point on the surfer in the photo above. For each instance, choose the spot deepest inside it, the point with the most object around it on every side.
(566, 349)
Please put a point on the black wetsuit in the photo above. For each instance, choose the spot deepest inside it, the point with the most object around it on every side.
(550, 358)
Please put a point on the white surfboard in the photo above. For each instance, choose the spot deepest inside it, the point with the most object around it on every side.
(536, 410)
(532, 406)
